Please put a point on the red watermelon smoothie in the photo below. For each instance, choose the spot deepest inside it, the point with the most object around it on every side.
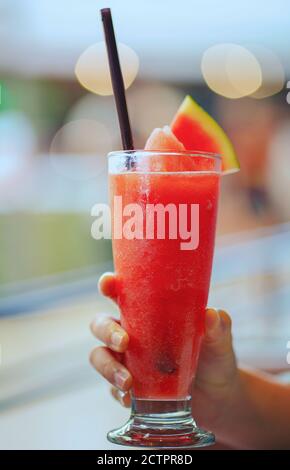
(162, 276)
(162, 285)
(163, 289)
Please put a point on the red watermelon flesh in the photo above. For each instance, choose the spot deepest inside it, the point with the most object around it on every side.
(185, 128)
(163, 140)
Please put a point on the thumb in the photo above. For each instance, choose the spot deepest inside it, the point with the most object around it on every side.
(217, 363)
(108, 285)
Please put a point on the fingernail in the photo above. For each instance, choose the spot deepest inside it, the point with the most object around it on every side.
(212, 319)
(120, 378)
(116, 338)
(225, 324)
(121, 397)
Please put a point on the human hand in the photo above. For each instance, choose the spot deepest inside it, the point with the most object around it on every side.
(217, 373)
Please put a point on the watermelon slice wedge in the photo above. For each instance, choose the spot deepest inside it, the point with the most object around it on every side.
(198, 131)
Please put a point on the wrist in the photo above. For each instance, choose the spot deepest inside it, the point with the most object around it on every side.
(239, 421)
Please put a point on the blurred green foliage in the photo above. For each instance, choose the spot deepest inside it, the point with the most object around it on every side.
(33, 245)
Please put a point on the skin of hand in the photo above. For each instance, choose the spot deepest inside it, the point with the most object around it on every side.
(236, 404)
(217, 370)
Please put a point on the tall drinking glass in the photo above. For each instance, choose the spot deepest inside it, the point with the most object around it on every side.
(164, 209)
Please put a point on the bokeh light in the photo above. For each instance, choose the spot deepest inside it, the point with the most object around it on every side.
(231, 70)
(96, 108)
(273, 74)
(78, 150)
(92, 68)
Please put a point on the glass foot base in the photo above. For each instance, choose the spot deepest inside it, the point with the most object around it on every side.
(154, 424)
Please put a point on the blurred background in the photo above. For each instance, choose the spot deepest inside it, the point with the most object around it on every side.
(58, 122)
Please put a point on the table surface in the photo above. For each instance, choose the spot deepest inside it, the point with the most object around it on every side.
(51, 399)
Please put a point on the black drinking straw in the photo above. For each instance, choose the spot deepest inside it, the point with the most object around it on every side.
(117, 80)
